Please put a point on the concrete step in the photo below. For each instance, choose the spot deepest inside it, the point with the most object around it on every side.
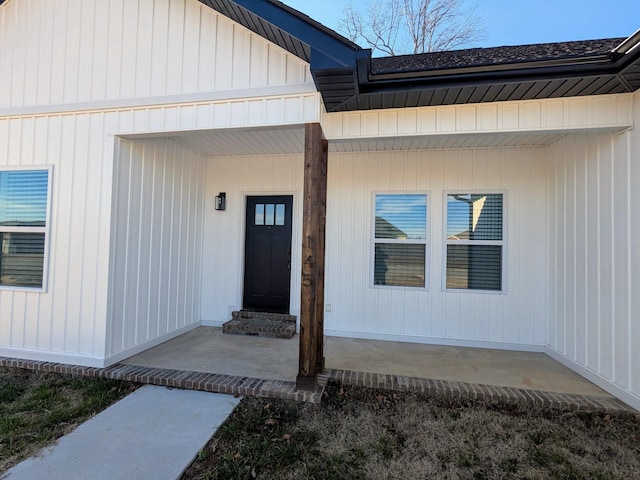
(260, 328)
(279, 317)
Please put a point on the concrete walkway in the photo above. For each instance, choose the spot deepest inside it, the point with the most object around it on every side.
(155, 432)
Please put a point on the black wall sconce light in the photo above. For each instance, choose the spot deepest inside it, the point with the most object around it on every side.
(221, 201)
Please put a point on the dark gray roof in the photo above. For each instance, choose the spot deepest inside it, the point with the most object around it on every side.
(507, 55)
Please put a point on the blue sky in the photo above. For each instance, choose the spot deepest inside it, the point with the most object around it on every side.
(519, 22)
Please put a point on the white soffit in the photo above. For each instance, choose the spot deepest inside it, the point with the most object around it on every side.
(290, 141)
(431, 142)
(259, 141)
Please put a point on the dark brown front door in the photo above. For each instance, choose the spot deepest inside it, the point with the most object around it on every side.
(267, 254)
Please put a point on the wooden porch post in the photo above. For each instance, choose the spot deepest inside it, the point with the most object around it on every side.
(311, 354)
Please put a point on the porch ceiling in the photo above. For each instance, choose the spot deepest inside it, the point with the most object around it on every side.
(290, 140)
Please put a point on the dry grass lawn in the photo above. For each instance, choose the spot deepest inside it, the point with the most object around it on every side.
(37, 408)
(367, 434)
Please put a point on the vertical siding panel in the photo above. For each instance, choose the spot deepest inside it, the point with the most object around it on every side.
(92, 216)
(241, 58)
(32, 48)
(166, 278)
(7, 29)
(223, 53)
(86, 42)
(99, 49)
(207, 46)
(158, 54)
(277, 67)
(46, 53)
(129, 53)
(147, 161)
(115, 41)
(581, 257)
(259, 62)
(552, 307)
(72, 51)
(76, 235)
(621, 260)
(605, 236)
(143, 48)
(570, 226)
(633, 185)
(18, 61)
(593, 262)
(61, 231)
(190, 51)
(347, 234)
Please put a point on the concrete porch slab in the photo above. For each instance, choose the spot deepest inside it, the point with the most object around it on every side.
(206, 349)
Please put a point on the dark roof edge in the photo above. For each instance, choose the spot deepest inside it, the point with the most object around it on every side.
(613, 63)
(328, 48)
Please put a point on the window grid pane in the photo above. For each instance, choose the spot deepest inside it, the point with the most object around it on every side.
(269, 213)
(474, 217)
(23, 198)
(21, 259)
(474, 267)
(280, 214)
(474, 241)
(259, 214)
(399, 264)
(401, 216)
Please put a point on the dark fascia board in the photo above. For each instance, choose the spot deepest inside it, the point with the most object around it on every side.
(327, 48)
(490, 74)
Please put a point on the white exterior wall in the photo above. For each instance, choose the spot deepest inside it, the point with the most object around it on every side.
(594, 246)
(77, 74)
(85, 51)
(67, 321)
(156, 238)
(516, 319)
(223, 249)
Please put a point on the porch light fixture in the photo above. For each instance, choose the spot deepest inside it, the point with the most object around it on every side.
(221, 200)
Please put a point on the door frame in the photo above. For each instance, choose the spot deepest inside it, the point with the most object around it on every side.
(296, 228)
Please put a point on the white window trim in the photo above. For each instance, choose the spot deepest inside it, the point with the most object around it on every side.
(503, 242)
(46, 229)
(426, 241)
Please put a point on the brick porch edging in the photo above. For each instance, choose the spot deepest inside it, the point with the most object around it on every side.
(475, 391)
(234, 385)
(207, 382)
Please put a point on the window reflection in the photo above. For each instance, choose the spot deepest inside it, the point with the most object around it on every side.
(259, 214)
(280, 214)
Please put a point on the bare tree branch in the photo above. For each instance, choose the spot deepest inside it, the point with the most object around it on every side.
(392, 27)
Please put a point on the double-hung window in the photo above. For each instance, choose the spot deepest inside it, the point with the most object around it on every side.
(475, 241)
(23, 224)
(400, 239)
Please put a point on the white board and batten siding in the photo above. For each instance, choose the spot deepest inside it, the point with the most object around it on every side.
(66, 322)
(516, 319)
(532, 116)
(594, 253)
(89, 52)
(156, 236)
(81, 74)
